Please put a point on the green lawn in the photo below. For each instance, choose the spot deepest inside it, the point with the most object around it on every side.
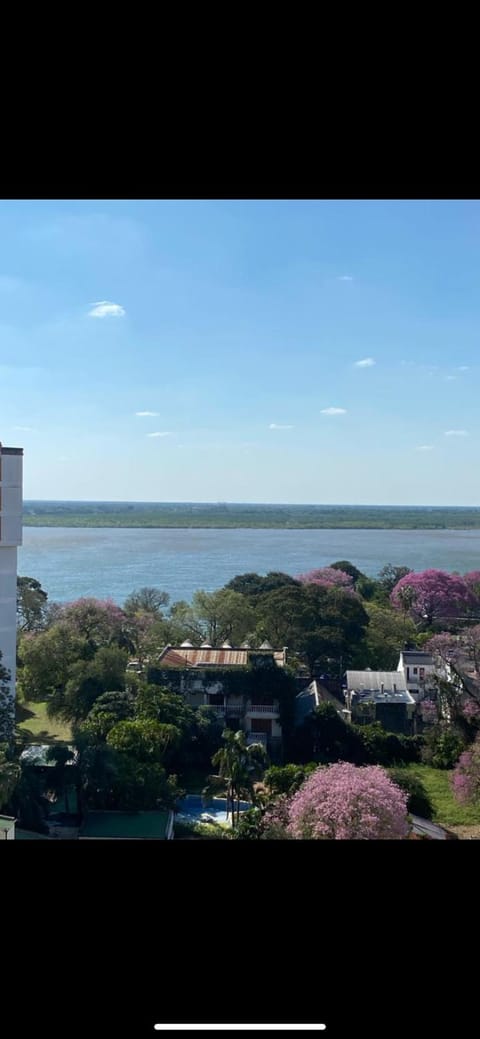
(33, 725)
(446, 810)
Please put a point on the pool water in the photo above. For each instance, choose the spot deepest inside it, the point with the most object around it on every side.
(193, 807)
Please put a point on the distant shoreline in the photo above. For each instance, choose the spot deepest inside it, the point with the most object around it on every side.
(198, 516)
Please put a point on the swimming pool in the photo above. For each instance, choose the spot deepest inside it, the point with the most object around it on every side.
(193, 807)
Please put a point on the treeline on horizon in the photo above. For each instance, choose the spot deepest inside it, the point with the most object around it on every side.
(223, 515)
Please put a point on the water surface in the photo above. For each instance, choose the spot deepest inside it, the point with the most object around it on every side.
(73, 561)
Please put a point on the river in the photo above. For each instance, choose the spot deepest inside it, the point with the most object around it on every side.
(71, 562)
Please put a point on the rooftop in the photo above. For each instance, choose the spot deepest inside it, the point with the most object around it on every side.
(202, 656)
(381, 686)
(11, 450)
(129, 825)
(415, 656)
(311, 697)
(7, 822)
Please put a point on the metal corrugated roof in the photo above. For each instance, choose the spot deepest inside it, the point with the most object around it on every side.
(370, 683)
(183, 656)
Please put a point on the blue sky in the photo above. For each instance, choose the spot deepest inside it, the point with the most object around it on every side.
(288, 351)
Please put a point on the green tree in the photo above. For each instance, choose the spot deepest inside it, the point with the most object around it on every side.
(419, 801)
(286, 779)
(31, 602)
(390, 575)
(254, 585)
(144, 740)
(238, 765)
(87, 681)
(385, 636)
(9, 774)
(46, 659)
(7, 705)
(348, 568)
(324, 626)
(146, 600)
(217, 616)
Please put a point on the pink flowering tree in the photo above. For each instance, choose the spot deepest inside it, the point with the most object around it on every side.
(343, 802)
(433, 595)
(100, 621)
(466, 776)
(472, 580)
(471, 642)
(444, 647)
(327, 577)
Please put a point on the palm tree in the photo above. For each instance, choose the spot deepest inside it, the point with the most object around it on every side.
(238, 763)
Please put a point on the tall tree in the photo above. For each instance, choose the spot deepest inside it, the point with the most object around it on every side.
(238, 764)
(432, 596)
(31, 603)
(7, 705)
(146, 600)
(9, 774)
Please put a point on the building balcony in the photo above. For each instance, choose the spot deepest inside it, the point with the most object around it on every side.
(271, 710)
(230, 711)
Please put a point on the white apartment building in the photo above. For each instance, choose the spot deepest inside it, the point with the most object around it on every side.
(11, 459)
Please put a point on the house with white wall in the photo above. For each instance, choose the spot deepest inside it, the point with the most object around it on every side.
(200, 674)
(418, 669)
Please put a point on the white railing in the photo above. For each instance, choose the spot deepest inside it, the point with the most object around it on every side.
(262, 708)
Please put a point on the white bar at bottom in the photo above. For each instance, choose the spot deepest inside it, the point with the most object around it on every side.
(240, 1028)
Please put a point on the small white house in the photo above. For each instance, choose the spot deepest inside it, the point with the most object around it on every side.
(418, 670)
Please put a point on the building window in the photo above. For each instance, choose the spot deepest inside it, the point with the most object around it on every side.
(415, 670)
(261, 725)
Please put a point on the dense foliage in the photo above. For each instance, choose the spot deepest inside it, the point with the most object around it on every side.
(466, 777)
(343, 802)
(136, 734)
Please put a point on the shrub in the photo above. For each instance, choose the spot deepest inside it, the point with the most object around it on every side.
(419, 802)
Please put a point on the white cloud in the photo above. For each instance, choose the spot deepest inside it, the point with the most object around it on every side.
(276, 425)
(464, 368)
(146, 414)
(367, 362)
(106, 309)
(159, 434)
(456, 433)
(333, 411)
(424, 447)
(345, 277)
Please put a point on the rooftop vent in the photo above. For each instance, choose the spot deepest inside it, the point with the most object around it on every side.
(205, 645)
(245, 645)
(186, 645)
(266, 645)
(226, 645)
